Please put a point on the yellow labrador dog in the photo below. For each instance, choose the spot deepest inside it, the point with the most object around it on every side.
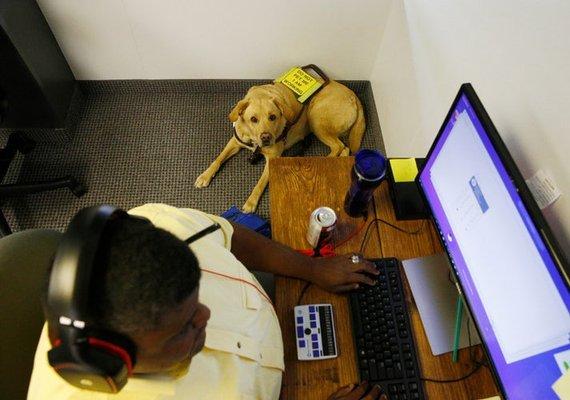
(271, 118)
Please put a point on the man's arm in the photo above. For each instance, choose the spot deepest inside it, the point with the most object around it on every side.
(335, 274)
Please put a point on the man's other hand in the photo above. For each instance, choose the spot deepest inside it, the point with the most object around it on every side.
(358, 392)
(341, 273)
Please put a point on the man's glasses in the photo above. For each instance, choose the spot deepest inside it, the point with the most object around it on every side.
(202, 233)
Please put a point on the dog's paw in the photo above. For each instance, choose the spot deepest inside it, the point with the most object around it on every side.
(203, 180)
(249, 206)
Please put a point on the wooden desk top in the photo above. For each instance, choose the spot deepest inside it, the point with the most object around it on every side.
(299, 185)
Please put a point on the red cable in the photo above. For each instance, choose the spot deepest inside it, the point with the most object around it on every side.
(353, 234)
(329, 249)
(240, 280)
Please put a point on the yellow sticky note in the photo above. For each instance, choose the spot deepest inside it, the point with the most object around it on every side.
(562, 386)
(404, 169)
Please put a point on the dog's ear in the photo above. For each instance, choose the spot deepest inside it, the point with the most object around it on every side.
(238, 110)
(287, 112)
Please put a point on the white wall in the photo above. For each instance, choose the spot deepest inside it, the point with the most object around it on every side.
(189, 39)
(516, 53)
(416, 53)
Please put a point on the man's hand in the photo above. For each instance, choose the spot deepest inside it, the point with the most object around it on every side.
(340, 274)
(335, 274)
(357, 392)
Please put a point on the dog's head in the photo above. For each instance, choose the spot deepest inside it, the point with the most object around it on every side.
(261, 120)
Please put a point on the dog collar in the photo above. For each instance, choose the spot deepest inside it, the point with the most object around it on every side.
(256, 156)
(283, 136)
(252, 147)
(249, 145)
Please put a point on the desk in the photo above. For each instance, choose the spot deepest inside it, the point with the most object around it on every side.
(299, 185)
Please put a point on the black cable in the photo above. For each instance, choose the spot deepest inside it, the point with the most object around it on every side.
(380, 220)
(474, 370)
(478, 364)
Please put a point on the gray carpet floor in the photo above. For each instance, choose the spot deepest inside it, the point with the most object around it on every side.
(136, 142)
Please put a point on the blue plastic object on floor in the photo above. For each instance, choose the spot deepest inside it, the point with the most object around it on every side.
(252, 221)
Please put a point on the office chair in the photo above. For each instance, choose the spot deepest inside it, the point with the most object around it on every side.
(24, 258)
(17, 141)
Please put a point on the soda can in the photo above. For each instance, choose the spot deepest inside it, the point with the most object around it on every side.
(321, 227)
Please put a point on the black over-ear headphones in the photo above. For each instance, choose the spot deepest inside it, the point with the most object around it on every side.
(83, 355)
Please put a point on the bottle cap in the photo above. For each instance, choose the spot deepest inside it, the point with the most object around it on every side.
(370, 164)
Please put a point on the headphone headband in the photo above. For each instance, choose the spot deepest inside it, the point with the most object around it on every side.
(68, 291)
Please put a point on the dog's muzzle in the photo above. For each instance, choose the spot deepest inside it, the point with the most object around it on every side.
(265, 139)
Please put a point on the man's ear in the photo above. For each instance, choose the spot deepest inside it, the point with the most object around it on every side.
(287, 112)
(238, 110)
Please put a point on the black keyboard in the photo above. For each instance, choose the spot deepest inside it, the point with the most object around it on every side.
(384, 342)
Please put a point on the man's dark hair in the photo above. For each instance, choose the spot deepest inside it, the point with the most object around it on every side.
(141, 273)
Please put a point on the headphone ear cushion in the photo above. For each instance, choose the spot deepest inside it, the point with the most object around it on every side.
(90, 367)
(113, 349)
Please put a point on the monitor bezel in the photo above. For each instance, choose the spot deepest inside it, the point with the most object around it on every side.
(518, 181)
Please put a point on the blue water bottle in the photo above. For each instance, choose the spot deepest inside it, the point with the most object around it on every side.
(368, 172)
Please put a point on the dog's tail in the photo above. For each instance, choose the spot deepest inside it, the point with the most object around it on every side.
(357, 130)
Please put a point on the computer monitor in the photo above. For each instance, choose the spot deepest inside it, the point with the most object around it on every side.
(510, 270)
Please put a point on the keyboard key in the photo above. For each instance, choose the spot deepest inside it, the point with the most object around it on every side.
(311, 309)
(356, 319)
(299, 320)
(312, 317)
(373, 370)
(398, 372)
(302, 343)
(316, 353)
(300, 332)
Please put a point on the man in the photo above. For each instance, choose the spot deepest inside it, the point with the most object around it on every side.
(203, 326)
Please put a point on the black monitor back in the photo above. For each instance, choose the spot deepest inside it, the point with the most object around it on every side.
(36, 82)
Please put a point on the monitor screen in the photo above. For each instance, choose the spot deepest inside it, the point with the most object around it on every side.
(511, 274)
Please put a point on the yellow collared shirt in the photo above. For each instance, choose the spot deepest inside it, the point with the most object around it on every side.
(243, 354)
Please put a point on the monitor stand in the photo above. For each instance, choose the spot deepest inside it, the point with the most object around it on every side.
(436, 294)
